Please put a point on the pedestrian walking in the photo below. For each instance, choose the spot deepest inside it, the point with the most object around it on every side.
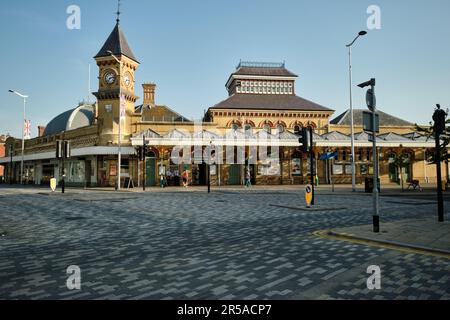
(248, 179)
(185, 177)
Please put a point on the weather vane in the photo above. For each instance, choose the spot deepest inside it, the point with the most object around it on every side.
(118, 11)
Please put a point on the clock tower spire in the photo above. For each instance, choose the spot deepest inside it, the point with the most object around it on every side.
(118, 12)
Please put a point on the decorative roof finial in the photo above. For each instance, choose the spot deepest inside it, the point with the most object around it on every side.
(118, 12)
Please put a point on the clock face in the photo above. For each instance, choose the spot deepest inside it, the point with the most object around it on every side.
(127, 79)
(110, 77)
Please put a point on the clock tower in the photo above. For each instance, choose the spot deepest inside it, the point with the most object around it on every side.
(117, 66)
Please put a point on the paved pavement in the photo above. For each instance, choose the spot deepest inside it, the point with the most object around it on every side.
(426, 234)
(232, 244)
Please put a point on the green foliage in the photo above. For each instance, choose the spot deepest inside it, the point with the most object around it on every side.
(445, 140)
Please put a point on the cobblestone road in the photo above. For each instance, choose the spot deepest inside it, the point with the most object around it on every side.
(232, 244)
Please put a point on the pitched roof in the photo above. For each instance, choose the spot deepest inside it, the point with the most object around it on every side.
(385, 119)
(116, 43)
(337, 136)
(269, 102)
(391, 136)
(159, 113)
(417, 136)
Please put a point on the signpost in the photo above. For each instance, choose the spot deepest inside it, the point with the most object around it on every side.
(371, 104)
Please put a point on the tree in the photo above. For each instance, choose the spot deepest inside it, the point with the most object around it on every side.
(429, 132)
(445, 140)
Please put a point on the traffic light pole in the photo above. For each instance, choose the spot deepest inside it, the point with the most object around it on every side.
(63, 157)
(439, 118)
(440, 196)
(311, 163)
(143, 161)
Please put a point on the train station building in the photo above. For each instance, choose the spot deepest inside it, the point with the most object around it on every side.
(254, 129)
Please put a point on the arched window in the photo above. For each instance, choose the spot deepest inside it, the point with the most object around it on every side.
(248, 128)
(267, 128)
(280, 128)
(235, 126)
(297, 129)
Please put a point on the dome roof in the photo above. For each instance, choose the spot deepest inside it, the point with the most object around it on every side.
(81, 116)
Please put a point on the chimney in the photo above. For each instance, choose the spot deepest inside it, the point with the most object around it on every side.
(149, 93)
(41, 130)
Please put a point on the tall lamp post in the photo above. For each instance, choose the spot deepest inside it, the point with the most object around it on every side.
(24, 97)
(352, 134)
(119, 160)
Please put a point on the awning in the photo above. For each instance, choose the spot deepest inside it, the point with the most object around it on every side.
(87, 151)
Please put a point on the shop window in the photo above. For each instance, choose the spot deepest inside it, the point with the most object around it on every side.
(125, 166)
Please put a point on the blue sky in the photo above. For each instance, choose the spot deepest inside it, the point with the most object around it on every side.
(189, 48)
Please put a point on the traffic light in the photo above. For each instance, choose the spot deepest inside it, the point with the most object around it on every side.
(303, 139)
(59, 149)
(62, 149)
(142, 152)
(439, 118)
(66, 149)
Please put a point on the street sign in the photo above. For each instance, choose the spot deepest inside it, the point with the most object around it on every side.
(371, 100)
(53, 184)
(308, 195)
(368, 124)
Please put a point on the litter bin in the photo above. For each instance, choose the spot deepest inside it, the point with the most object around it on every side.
(369, 185)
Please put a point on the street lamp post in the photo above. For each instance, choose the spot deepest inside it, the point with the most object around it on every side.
(119, 159)
(24, 97)
(11, 164)
(352, 132)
